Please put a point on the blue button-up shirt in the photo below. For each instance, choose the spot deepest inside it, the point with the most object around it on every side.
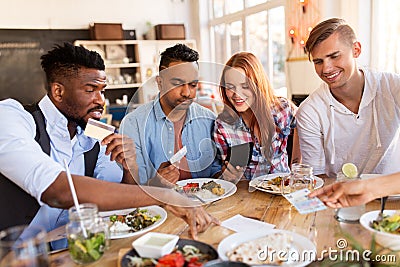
(154, 137)
(23, 161)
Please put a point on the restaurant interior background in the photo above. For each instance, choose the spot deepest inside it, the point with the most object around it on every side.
(274, 30)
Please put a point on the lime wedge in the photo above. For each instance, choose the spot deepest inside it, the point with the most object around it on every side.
(350, 170)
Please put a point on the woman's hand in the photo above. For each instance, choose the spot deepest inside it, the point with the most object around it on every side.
(232, 173)
(344, 194)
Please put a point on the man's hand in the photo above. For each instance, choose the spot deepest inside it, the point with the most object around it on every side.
(197, 218)
(168, 172)
(122, 150)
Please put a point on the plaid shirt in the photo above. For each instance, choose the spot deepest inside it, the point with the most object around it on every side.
(227, 135)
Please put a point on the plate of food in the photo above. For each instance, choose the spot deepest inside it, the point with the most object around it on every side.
(187, 251)
(206, 189)
(387, 231)
(135, 221)
(268, 248)
(271, 183)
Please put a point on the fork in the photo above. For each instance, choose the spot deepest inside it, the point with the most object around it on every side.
(197, 197)
(180, 190)
(380, 215)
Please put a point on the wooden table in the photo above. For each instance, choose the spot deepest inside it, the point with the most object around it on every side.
(320, 227)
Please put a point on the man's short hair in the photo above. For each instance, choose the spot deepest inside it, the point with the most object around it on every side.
(325, 29)
(65, 61)
(176, 53)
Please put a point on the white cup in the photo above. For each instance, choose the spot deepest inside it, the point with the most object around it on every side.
(350, 214)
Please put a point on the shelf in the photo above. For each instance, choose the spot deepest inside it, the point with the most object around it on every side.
(123, 86)
(122, 65)
(131, 61)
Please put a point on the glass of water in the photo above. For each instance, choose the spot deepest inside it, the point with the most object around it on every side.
(301, 177)
(349, 214)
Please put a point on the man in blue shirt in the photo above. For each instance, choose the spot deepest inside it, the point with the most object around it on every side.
(171, 121)
(76, 81)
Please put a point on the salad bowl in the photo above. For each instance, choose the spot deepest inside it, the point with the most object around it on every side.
(385, 239)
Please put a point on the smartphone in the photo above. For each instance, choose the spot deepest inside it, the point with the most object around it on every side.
(240, 155)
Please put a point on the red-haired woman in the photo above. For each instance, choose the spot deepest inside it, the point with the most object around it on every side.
(252, 113)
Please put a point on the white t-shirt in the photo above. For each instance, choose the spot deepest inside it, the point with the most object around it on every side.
(331, 135)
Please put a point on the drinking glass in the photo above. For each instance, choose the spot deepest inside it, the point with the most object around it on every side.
(87, 234)
(23, 246)
(300, 177)
(349, 214)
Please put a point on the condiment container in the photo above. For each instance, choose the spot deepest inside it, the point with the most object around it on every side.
(155, 245)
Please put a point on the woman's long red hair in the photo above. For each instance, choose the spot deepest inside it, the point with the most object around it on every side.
(265, 100)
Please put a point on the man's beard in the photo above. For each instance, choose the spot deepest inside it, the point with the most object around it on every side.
(184, 104)
(79, 121)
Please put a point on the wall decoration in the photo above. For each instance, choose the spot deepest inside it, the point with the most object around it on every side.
(303, 16)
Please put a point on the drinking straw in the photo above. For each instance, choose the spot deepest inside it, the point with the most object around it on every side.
(74, 196)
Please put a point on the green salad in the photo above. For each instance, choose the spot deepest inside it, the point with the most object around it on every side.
(86, 250)
(389, 224)
(136, 220)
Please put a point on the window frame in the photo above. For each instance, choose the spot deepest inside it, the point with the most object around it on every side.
(380, 47)
(227, 19)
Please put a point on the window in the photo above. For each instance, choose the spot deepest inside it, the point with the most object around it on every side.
(386, 43)
(257, 26)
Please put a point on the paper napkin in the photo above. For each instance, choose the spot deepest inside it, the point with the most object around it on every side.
(239, 223)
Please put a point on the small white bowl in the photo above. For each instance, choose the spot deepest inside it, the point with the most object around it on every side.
(388, 240)
(155, 245)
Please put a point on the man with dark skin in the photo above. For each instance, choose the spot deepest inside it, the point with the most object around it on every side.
(76, 81)
(172, 121)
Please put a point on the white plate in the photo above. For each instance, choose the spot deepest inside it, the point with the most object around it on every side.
(300, 246)
(151, 210)
(230, 188)
(255, 181)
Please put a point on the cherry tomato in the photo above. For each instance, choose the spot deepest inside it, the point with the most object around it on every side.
(191, 187)
(171, 260)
